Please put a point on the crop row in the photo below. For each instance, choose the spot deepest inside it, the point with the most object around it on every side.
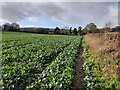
(59, 74)
(6, 44)
(45, 63)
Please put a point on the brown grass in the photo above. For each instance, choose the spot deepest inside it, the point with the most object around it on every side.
(106, 46)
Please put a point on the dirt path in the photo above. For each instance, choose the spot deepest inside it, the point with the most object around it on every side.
(78, 84)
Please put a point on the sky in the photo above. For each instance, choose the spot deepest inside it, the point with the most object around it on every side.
(59, 14)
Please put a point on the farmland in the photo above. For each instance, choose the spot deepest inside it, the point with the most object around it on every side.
(59, 62)
(34, 61)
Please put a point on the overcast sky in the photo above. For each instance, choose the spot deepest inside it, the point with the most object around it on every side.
(61, 14)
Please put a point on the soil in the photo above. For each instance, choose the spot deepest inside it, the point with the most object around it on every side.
(79, 73)
(101, 45)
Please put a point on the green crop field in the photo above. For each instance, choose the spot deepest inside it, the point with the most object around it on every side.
(38, 62)
(48, 62)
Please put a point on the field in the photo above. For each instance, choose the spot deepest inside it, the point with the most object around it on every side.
(35, 62)
(60, 62)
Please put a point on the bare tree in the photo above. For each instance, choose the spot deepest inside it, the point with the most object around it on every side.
(108, 24)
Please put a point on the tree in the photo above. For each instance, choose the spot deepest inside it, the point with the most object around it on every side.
(108, 26)
(90, 28)
(1, 28)
(79, 30)
(6, 26)
(56, 30)
(75, 31)
(70, 31)
(117, 28)
(14, 27)
(11, 27)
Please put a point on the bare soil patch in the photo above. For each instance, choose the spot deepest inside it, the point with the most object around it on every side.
(79, 74)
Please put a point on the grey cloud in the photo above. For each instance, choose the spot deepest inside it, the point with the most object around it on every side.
(14, 11)
(119, 13)
(88, 12)
(65, 12)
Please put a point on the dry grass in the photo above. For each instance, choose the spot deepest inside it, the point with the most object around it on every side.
(106, 46)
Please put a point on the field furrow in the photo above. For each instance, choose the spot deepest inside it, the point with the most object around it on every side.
(39, 62)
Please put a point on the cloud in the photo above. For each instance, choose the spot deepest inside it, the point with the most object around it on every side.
(69, 13)
(14, 11)
(96, 12)
(60, 0)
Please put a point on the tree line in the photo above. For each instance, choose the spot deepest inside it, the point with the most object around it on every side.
(89, 28)
(57, 30)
